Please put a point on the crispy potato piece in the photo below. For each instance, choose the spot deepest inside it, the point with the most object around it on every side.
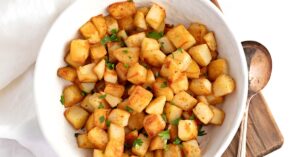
(182, 58)
(219, 116)
(154, 57)
(86, 73)
(166, 45)
(127, 55)
(119, 117)
(149, 154)
(191, 148)
(187, 130)
(131, 89)
(184, 101)
(67, 73)
(180, 37)
(72, 95)
(76, 116)
(100, 25)
(150, 79)
(154, 124)
(202, 99)
(110, 75)
(98, 52)
(139, 99)
(156, 106)
(193, 70)
(210, 41)
(144, 10)
(201, 86)
(213, 100)
(79, 50)
(131, 136)
(155, 16)
(111, 23)
(172, 112)
(123, 104)
(89, 125)
(161, 27)
(159, 153)
(115, 145)
(127, 23)
(198, 31)
(135, 40)
(141, 150)
(83, 141)
(113, 101)
(122, 34)
(214, 54)
(169, 68)
(201, 54)
(216, 68)
(137, 74)
(112, 46)
(89, 31)
(98, 137)
(121, 10)
(94, 101)
(157, 143)
(139, 21)
(98, 153)
(203, 112)
(172, 151)
(86, 87)
(122, 70)
(99, 69)
(136, 120)
(71, 62)
(160, 89)
(149, 44)
(223, 85)
(114, 89)
(173, 130)
(100, 117)
(178, 82)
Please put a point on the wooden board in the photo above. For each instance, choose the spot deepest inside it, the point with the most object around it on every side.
(263, 136)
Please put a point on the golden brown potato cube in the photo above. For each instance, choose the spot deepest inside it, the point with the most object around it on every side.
(172, 151)
(131, 136)
(139, 99)
(180, 37)
(111, 23)
(137, 74)
(123, 105)
(114, 89)
(201, 54)
(94, 101)
(150, 79)
(141, 149)
(187, 130)
(200, 86)
(210, 41)
(113, 101)
(100, 117)
(193, 70)
(127, 23)
(135, 40)
(131, 89)
(76, 116)
(67, 73)
(219, 116)
(139, 21)
(191, 148)
(154, 124)
(98, 153)
(122, 34)
(98, 137)
(149, 44)
(184, 101)
(119, 117)
(161, 27)
(79, 50)
(159, 153)
(83, 141)
(166, 45)
(160, 88)
(115, 146)
(213, 100)
(136, 120)
(89, 125)
(155, 16)
(121, 10)
(98, 52)
(149, 154)
(198, 31)
(122, 70)
(144, 10)
(86, 73)
(173, 130)
(156, 106)
(157, 143)
(71, 96)
(172, 112)
(110, 75)
(99, 69)
(127, 55)
(111, 47)
(86, 87)
(216, 68)
(182, 58)
(71, 62)
(179, 82)
(203, 112)
(223, 85)
(116, 133)
(202, 99)
(89, 31)
(100, 25)
(169, 68)
(154, 57)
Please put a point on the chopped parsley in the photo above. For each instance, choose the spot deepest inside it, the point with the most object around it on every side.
(83, 93)
(110, 66)
(164, 85)
(201, 132)
(102, 96)
(155, 35)
(112, 37)
(125, 51)
(105, 40)
(100, 105)
(180, 49)
(164, 117)
(101, 119)
(165, 135)
(137, 143)
(62, 100)
(107, 123)
(126, 66)
(127, 108)
(177, 141)
(176, 121)
(192, 117)
(114, 31)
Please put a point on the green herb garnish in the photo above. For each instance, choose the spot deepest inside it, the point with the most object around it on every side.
(126, 66)
(83, 93)
(114, 31)
(137, 143)
(62, 100)
(180, 49)
(125, 51)
(100, 105)
(105, 40)
(165, 135)
(115, 38)
(110, 66)
(176, 121)
(101, 119)
(112, 37)
(201, 132)
(127, 108)
(164, 85)
(107, 122)
(155, 35)
(177, 141)
(102, 96)
(164, 117)
(192, 117)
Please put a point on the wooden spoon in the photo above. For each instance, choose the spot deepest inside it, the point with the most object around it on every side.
(259, 70)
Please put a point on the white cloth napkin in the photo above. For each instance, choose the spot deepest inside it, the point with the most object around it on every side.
(23, 26)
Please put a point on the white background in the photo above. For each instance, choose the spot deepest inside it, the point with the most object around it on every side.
(276, 24)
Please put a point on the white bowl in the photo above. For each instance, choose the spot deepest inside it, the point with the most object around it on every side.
(48, 87)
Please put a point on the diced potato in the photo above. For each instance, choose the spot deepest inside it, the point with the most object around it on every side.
(161, 27)
(71, 96)
(122, 34)
(67, 73)
(202, 99)
(150, 79)
(201, 54)
(83, 141)
(110, 75)
(149, 44)
(86, 73)
(139, 99)
(116, 133)
(179, 82)
(119, 117)
(86, 87)
(136, 120)
(137, 74)
(156, 106)
(216, 68)
(219, 116)
(98, 137)
(100, 24)
(200, 86)
(89, 125)
(180, 37)
(187, 130)
(128, 55)
(98, 52)
(122, 70)
(184, 101)
(99, 69)
(113, 101)
(211, 41)
(214, 54)
(100, 116)
(182, 58)
(123, 104)
(154, 124)
(76, 116)
(223, 85)
(193, 70)
(121, 10)
(169, 68)
(131, 136)
(154, 57)
(141, 150)
(191, 148)
(71, 62)
(172, 112)
(127, 23)
(94, 101)
(173, 130)
(203, 112)
(213, 100)
(79, 50)
(157, 143)
(111, 23)
(114, 89)
(198, 31)
(139, 21)
(173, 151)
(89, 31)
(160, 89)
(135, 40)
(98, 153)
(144, 10)
(111, 47)
(115, 145)
(149, 154)
(155, 16)
(131, 89)
(166, 45)
(159, 153)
